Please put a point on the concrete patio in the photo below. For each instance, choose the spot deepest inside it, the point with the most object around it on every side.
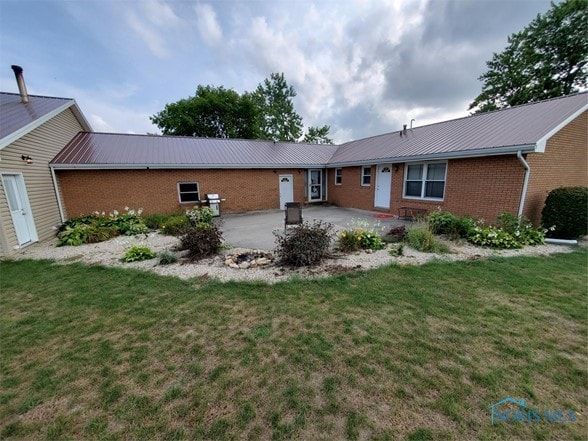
(255, 230)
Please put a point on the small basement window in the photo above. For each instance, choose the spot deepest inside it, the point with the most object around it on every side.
(366, 175)
(188, 192)
(338, 176)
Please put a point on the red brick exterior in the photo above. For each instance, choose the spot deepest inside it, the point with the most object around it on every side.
(480, 187)
(351, 193)
(564, 164)
(85, 191)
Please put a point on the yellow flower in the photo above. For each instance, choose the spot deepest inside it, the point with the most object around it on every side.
(358, 237)
(343, 235)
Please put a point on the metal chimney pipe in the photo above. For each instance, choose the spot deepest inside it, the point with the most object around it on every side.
(22, 88)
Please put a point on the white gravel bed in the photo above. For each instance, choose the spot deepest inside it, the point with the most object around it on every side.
(109, 253)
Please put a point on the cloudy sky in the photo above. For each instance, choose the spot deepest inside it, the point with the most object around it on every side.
(363, 67)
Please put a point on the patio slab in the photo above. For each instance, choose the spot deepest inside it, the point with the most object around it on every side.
(255, 230)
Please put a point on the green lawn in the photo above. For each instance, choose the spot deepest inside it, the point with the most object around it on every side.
(416, 353)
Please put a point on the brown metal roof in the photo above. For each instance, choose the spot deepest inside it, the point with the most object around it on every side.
(110, 150)
(501, 131)
(525, 128)
(15, 116)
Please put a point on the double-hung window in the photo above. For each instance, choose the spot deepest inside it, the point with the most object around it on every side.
(338, 176)
(366, 175)
(188, 192)
(425, 181)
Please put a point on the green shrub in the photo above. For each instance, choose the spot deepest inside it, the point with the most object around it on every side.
(360, 235)
(421, 238)
(201, 241)
(167, 258)
(397, 250)
(510, 232)
(137, 253)
(130, 223)
(175, 226)
(565, 214)
(200, 216)
(95, 234)
(87, 220)
(155, 220)
(521, 229)
(97, 227)
(449, 224)
(304, 245)
(493, 237)
(348, 241)
(72, 235)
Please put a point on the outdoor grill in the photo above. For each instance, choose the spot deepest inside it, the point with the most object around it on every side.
(213, 201)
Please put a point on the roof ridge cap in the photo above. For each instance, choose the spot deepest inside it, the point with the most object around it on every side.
(152, 135)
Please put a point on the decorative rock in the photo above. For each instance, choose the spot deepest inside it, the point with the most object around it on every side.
(245, 260)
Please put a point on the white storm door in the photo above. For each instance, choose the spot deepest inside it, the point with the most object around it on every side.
(383, 185)
(286, 190)
(315, 186)
(18, 204)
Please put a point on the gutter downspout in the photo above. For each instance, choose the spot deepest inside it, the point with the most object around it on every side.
(56, 188)
(525, 182)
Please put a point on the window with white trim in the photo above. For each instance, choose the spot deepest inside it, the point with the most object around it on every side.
(188, 192)
(425, 181)
(338, 176)
(366, 175)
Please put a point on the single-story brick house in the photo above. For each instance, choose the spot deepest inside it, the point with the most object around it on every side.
(33, 129)
(481, 165)
(52, 166)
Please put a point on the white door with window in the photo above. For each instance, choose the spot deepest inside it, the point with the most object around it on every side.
(286, 190)
(383, 185)
(20, 211)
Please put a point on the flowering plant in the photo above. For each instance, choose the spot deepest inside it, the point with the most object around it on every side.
(511, 232)
(360, 235)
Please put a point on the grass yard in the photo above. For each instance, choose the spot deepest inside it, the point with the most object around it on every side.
(399, 353)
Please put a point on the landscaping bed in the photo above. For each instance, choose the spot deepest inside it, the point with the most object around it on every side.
(109, 253)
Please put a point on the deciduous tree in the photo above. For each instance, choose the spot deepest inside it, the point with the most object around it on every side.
(547, 59)
(213, 112)
(279, 120)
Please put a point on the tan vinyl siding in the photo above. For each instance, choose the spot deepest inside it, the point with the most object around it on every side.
(5, 221)
(42, 144)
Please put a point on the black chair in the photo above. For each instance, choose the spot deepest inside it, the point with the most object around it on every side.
(293, 215)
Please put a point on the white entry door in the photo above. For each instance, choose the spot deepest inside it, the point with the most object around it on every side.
(18, 204)
(286, 190)
(383, 185)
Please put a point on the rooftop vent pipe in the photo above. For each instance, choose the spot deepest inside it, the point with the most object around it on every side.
(22, 88)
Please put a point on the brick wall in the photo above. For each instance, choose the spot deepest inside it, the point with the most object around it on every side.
(85, 191)
(351, 193)
(564, 164)
(480, 187)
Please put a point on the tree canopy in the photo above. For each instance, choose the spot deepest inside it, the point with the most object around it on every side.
(267, 113)
(212, 112)
(279, 120)
(547, 59)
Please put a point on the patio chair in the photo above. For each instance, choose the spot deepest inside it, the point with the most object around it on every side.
(293, 215)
